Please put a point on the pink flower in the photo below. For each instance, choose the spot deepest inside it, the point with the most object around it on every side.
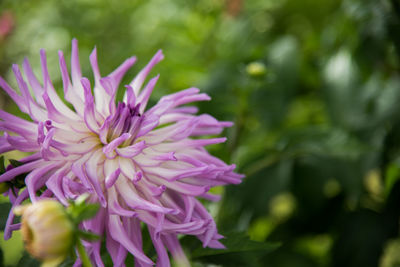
(6, 24)
(141, 166)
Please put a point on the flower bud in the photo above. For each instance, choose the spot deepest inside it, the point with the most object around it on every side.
(46, 231)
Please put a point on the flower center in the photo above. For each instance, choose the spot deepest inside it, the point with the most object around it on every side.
(120, 128)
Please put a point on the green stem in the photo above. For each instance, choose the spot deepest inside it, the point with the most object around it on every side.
(83, 255)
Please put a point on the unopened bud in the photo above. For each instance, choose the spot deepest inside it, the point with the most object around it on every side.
(46, 230)
(256, 69)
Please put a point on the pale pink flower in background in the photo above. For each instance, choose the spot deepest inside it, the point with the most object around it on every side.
(6, 24)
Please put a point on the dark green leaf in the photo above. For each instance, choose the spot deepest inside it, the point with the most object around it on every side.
(15, 163)
(28, 261)
(392, 175)
(88, 236)
(2, 167)
(4, 211)
(236, 243)
(69, 262)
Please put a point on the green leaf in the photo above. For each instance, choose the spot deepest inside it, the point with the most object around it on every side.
(15, 163)
(4, 211)
(67, 263)
(79, 210)
(236, 243)
(28, 261)
(2, 167)
(87, 212)
(392, 175)
(240, 250)
(88, 236)
(81, 199)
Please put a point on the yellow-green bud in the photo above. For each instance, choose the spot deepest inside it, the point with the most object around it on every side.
(256, 69)
(46, 230)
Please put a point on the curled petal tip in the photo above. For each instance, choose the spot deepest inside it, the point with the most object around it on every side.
(132, 60)
(85, 82)
(160, 54)
(93, 54)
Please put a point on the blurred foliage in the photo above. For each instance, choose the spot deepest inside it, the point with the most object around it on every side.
(312, 86)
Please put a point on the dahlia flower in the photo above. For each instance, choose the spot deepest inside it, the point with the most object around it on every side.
(142, 166)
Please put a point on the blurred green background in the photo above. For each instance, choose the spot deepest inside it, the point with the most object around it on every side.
(313, 87)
